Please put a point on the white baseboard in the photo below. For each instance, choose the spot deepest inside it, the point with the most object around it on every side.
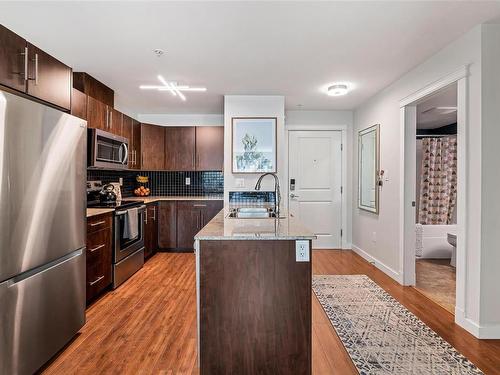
(490, 331)
(377, 263)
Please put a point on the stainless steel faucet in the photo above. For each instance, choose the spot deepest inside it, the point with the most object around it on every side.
(277, 192)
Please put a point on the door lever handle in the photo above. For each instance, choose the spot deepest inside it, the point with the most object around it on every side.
(294, 195)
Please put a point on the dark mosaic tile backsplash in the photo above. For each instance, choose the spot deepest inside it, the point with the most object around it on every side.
(164, 183)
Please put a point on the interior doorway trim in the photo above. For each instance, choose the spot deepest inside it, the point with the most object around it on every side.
(407, 188)
(345, 241)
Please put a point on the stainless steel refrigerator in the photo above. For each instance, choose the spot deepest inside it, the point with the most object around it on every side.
(42, 232)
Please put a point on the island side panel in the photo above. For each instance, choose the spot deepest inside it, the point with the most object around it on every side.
(255, 308)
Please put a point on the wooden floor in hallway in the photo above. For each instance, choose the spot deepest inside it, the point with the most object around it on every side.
(148, 325)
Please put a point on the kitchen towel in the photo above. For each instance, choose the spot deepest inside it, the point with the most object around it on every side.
(131, 227)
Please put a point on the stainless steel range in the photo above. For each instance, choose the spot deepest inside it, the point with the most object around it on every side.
(128, 242)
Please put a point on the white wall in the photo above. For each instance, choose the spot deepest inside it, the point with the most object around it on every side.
(384, 109)
(490, 202)
(252, 106)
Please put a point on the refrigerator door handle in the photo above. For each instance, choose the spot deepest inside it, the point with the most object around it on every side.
(35, 271)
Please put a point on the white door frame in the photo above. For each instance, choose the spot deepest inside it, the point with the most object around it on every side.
(407, 188)
(286, 185)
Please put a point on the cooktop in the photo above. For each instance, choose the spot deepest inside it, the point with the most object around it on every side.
(115, 204)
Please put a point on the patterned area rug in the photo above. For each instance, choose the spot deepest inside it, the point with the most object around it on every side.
(380, 335)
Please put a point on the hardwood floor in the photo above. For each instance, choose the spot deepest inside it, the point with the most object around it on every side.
(148, 325)
(436, 279)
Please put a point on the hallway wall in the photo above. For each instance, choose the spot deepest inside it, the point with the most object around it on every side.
(377, 237)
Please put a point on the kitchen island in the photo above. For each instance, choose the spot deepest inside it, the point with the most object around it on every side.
(254, 296)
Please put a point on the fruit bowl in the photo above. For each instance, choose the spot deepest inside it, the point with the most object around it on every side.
(142, 191)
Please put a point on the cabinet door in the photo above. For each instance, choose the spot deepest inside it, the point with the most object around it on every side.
(12, 60)
(50, 79)
(167, 225)
(78, 104)
(127, 132)
(150, 230)
(136, 145)
(180, 148)
(115, 121)
(97, 114)
(152, 147)
(211, 209)
(209, 148)
(188, 223)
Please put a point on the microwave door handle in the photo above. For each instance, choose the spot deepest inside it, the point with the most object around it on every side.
(120, 152)
(125, 158)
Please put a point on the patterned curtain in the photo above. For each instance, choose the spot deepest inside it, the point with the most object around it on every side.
(438, 187)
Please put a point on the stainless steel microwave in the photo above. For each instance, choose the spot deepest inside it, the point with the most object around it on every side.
(106, 150)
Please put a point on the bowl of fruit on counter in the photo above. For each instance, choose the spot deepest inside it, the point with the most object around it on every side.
(142, 189)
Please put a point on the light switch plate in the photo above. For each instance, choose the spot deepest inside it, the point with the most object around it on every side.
(188, 181)
(302, 251)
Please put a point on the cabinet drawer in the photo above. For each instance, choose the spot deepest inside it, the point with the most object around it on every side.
(96, 223)
(98, 245)
(98, 277)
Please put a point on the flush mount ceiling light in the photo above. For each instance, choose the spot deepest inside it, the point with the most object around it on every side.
(172, 87)
(337, 89)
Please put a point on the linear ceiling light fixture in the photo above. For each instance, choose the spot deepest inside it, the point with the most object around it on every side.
(172, 87)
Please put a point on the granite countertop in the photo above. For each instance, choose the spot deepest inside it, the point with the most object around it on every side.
(98, 211)
(157, 198)
(223, 228)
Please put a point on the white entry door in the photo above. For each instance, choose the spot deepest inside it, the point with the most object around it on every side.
(315, 168)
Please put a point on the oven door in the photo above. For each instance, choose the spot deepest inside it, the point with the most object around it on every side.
(125, 246)
(107, 150)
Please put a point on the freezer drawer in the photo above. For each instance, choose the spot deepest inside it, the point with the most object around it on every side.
(40, 311)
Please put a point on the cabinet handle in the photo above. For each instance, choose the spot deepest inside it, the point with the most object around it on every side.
(110, 119)
(154, 213)
(199, 205)
(96, 280)
(97, 248)
(146, 217)
(25, 73)
(36, 69)
(98, 223)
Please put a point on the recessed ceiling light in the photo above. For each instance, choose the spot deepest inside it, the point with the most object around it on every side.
(337, 89)
(172, 87)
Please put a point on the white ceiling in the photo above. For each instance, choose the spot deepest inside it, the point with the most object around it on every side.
(432, 113)
(283, 48)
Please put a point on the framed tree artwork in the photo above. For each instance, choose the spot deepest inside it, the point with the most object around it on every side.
(253, 144)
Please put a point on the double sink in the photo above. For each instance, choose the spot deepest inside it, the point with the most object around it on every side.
(252, 213)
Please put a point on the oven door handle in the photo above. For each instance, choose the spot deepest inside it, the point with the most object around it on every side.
(140, 208)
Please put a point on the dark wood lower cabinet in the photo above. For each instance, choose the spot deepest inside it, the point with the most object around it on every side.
(255, 308)
(167, 224)
(150, 230)
(179, 221)
(99, 254)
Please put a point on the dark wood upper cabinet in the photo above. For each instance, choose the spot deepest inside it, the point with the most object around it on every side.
(92, 87)
(115, 121)
(209, 148)
(180, 148)
(97, 114)
(12, 60)
(167, 224)
(50, 79)
(136, 144)
(152, 147)
(128, 132)
(78, 104)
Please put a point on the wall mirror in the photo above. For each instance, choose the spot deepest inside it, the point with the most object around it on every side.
(368, 168)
